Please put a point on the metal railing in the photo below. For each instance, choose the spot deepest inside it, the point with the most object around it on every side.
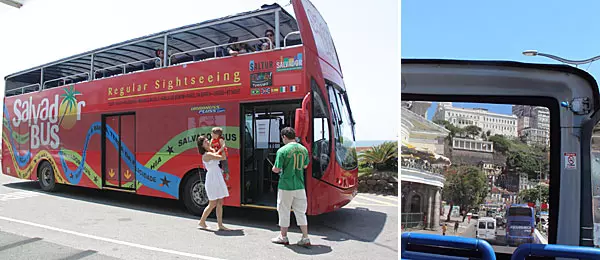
(64, 79)
(566, 251)
(445, 243)
(124, 65)
(421, 166)
(411, 220)
(289, 34)
(215, 47)
(22, 89)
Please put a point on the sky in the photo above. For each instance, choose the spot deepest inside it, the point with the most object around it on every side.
(43, 31)
(501, 30)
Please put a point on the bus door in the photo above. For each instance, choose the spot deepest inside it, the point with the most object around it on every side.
(118, 151)
(262, 123)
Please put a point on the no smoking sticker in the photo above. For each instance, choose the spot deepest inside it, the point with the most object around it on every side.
(570, 161)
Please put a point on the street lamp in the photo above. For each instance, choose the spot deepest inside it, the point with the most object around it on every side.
(563, 60)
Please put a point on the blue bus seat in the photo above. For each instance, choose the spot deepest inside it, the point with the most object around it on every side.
(578, 252)
(471, 244)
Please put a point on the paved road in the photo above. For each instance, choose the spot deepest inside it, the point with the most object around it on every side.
(468, 230)
(499, 244)
(77, 223)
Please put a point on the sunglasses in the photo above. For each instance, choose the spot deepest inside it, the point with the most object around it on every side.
(269, 35)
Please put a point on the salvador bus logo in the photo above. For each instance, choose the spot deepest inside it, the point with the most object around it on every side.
(44, 118)
(289, 63)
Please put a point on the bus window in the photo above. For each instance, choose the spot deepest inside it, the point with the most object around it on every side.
(490, 162)
(595, 179)
(344, 131)
(321, 152)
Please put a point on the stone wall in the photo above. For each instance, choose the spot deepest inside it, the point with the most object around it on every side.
(379, 182)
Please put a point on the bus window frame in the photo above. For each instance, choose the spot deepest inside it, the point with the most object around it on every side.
(316, 89)
(555, 139)
(586, 235)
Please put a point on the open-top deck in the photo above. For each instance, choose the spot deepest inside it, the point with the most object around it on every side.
(207, 40)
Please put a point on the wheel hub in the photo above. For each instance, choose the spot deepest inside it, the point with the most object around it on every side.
(199, 195)
(46, 176)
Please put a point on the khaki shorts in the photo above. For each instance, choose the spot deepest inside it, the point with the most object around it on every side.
(288, 200)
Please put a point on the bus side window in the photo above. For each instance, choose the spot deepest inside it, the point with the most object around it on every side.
(321, 133)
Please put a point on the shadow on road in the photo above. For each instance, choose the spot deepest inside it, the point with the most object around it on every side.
(313, 250)
(360, 224)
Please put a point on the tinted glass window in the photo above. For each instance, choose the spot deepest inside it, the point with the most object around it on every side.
(519, 212)
(481, 225)
(345, 148)
(490, 225)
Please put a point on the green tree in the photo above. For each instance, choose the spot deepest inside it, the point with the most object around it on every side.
(539, 192)
(472, 130)
(454, 130)
(501, 144)
(466, 186)
(382, 157)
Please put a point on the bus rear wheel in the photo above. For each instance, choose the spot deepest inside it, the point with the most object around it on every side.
(194, 194)
(46, 177)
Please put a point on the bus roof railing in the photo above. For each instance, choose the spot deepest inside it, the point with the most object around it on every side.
(64, 79)
(22, 89)
(288, 35)
(215, 47)
(124, 65)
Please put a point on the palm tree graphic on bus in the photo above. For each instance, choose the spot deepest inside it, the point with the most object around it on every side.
(69, 108)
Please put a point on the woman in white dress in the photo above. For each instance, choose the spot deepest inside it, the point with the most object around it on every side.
(215, 186)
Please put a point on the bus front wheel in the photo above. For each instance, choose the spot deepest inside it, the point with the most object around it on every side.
(194, 194)
(46, 176)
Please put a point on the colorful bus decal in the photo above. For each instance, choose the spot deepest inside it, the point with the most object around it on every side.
(147, 174)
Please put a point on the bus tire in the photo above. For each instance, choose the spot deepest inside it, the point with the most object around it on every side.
(194, 195)
(46, 177)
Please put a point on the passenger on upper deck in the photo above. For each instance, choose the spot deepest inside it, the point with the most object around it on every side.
(159, 54)
(271, 35)
(237, 48)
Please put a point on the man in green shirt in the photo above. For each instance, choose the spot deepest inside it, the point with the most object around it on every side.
(290, 163)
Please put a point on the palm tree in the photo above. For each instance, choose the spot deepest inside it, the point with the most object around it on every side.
(382, 156)
(69, 100)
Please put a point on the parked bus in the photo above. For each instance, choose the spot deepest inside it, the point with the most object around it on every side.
(126, 117)
(520, 224)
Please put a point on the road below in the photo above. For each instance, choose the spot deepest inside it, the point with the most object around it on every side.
(78, 223)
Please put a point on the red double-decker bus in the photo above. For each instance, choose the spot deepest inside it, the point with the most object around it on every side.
(126, 117)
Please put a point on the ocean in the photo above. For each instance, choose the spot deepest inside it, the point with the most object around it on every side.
(370, 143)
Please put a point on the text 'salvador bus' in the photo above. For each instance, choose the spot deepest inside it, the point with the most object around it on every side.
(126, 117)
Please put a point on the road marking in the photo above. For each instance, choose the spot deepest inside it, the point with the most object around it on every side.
(18, 195)
(168, 251)
(376, 201)
(392, 198)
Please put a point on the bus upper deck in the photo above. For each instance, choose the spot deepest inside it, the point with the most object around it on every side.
(204, 41)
